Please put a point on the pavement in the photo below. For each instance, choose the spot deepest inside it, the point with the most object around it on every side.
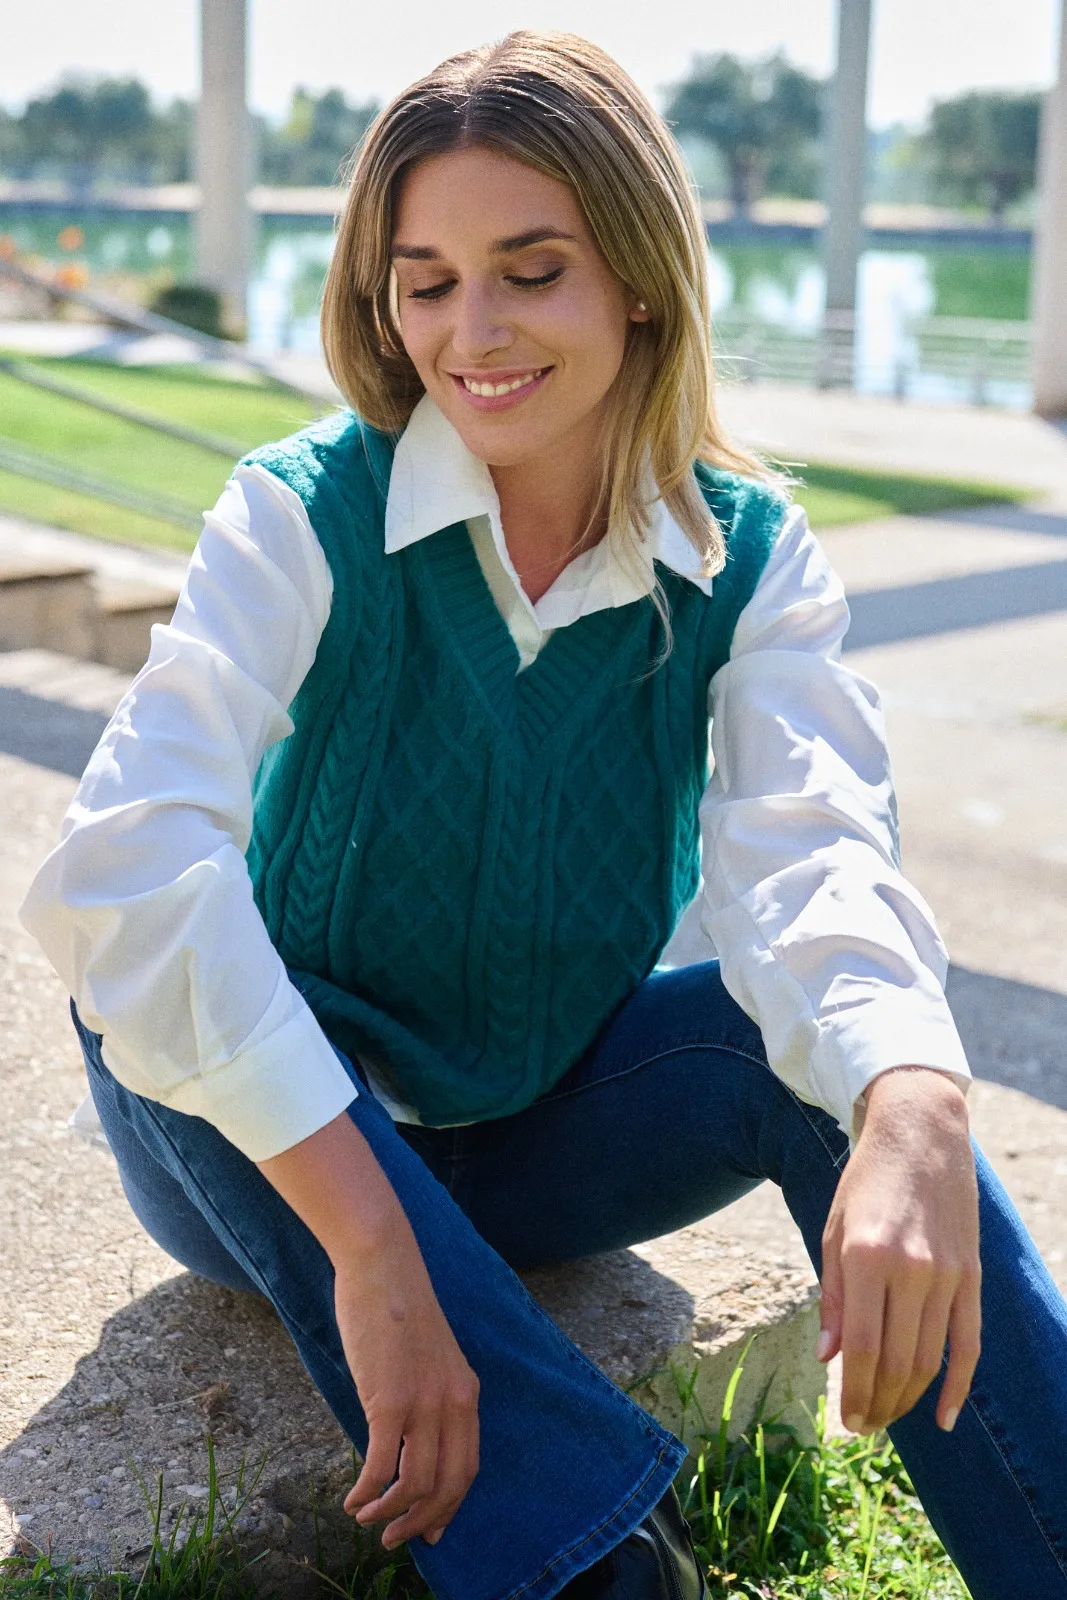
(111, 1356)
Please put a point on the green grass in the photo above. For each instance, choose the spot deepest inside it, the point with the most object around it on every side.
(126, 453)
(835, 495)
(772, 1519)
(252, 413)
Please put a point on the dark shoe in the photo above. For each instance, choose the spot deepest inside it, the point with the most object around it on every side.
(656, 1562)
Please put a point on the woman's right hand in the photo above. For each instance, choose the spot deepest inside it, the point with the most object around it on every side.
(418, 1392)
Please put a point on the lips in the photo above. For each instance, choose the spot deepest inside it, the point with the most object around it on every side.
(490, 386)
(495, 391)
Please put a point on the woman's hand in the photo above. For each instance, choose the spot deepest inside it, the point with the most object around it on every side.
(418, 1393)
(900, 1254)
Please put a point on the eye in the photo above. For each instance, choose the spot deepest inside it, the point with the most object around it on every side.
(434, 292)
(536, 283)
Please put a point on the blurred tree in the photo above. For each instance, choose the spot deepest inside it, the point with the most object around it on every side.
(86, 130)
(763, 117)
(981, 148)
(316, 138)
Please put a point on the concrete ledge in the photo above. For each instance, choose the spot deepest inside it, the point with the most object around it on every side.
(83, 597)
(669, 1320)
(189, 1358)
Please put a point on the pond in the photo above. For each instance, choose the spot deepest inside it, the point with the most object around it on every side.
(940, 322)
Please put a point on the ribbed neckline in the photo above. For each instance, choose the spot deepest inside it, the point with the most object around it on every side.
(569, 666)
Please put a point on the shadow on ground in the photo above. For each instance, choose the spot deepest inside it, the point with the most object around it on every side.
(191, 1358)
(1015, 1034)
(48, 732)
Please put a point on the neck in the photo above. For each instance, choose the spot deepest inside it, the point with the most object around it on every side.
(546, 504)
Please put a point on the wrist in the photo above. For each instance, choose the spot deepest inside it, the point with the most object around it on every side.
(911, 1083)
(335, 1185)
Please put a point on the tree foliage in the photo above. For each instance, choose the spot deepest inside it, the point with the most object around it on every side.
(763, 117)
(85, 131)
(981, 147)
(315, 140)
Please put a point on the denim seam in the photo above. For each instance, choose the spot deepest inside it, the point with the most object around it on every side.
(574, 1548)
(805, 1110)
(648, 1061)
(1024, 1496)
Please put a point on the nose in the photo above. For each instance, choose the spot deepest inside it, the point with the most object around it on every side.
(480, 327)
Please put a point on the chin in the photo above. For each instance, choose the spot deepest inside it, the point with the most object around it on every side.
(499, 446)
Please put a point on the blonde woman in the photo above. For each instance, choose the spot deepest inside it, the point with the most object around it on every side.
(363, 892)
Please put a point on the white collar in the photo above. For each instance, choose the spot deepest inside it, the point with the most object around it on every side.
(436, 481)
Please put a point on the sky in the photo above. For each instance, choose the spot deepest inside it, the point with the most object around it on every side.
(922, 49)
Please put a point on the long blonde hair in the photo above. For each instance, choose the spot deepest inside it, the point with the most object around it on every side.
(561, 105)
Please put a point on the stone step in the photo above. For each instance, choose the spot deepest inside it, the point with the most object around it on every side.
(82, 597)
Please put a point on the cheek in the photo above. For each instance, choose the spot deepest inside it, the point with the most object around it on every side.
(592, 335)
(420, 338)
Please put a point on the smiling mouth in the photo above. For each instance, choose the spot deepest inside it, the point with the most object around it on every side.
(489, 390)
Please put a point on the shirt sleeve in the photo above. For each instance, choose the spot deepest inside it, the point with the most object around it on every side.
(145, 907)
(822, 941)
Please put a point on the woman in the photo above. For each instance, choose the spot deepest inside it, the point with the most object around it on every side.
(362, 894)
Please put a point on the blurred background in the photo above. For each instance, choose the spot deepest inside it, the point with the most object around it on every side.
(99, 165)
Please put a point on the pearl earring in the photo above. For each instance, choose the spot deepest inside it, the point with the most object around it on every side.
(641, 306)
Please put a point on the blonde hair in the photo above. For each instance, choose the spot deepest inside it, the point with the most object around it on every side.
(561, 105)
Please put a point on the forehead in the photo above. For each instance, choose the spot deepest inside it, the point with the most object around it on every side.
(479, 194)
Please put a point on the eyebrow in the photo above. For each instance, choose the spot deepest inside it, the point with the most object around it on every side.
(500, 247)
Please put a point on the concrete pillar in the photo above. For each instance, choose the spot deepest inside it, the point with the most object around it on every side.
(223, 158)
(1049, 297)
(846, 168)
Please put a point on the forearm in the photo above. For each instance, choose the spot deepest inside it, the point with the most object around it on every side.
(334, 1183)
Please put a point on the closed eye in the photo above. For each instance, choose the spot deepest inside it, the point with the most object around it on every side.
(537, 283)
(437, 291)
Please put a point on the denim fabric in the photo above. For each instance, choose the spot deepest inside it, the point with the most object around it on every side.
(673, 1114)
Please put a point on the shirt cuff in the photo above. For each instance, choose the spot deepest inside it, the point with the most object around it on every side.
(855, 1046)
(275, 1094)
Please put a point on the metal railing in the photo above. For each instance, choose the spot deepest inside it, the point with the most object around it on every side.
(970, 358)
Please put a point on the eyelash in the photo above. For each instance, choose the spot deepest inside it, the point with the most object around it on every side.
(440, 289)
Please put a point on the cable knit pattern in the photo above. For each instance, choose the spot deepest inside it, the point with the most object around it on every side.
(467, 869)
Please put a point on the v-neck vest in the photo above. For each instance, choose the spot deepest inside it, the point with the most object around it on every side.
(467, 869)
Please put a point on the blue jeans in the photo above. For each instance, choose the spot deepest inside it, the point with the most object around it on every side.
(671, 1115)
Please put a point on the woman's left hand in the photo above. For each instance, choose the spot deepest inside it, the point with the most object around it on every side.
(901, 1270)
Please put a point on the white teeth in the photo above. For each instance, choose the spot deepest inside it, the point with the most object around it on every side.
(489, 389)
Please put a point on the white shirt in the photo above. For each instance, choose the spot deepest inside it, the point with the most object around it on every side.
(145, 907)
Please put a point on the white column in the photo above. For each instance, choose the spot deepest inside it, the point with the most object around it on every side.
(1049, 297)
(846, 158)
(223, 158)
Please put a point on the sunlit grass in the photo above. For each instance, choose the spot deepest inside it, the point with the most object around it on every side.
(127, 453)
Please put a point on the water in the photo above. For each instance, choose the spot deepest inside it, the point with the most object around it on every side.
(939, 322)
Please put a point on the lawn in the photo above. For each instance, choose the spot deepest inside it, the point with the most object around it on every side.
(134, 457)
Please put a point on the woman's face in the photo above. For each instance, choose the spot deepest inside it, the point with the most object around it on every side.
(501, 286)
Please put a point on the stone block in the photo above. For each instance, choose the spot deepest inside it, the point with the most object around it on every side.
(47, 604)
(670, 1320)
(188, 1359)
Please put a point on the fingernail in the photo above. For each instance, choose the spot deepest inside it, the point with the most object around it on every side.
(822, 1347)
(855, 1423)
(950, 1418)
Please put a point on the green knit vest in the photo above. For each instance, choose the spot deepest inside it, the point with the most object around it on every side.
(467, 869)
